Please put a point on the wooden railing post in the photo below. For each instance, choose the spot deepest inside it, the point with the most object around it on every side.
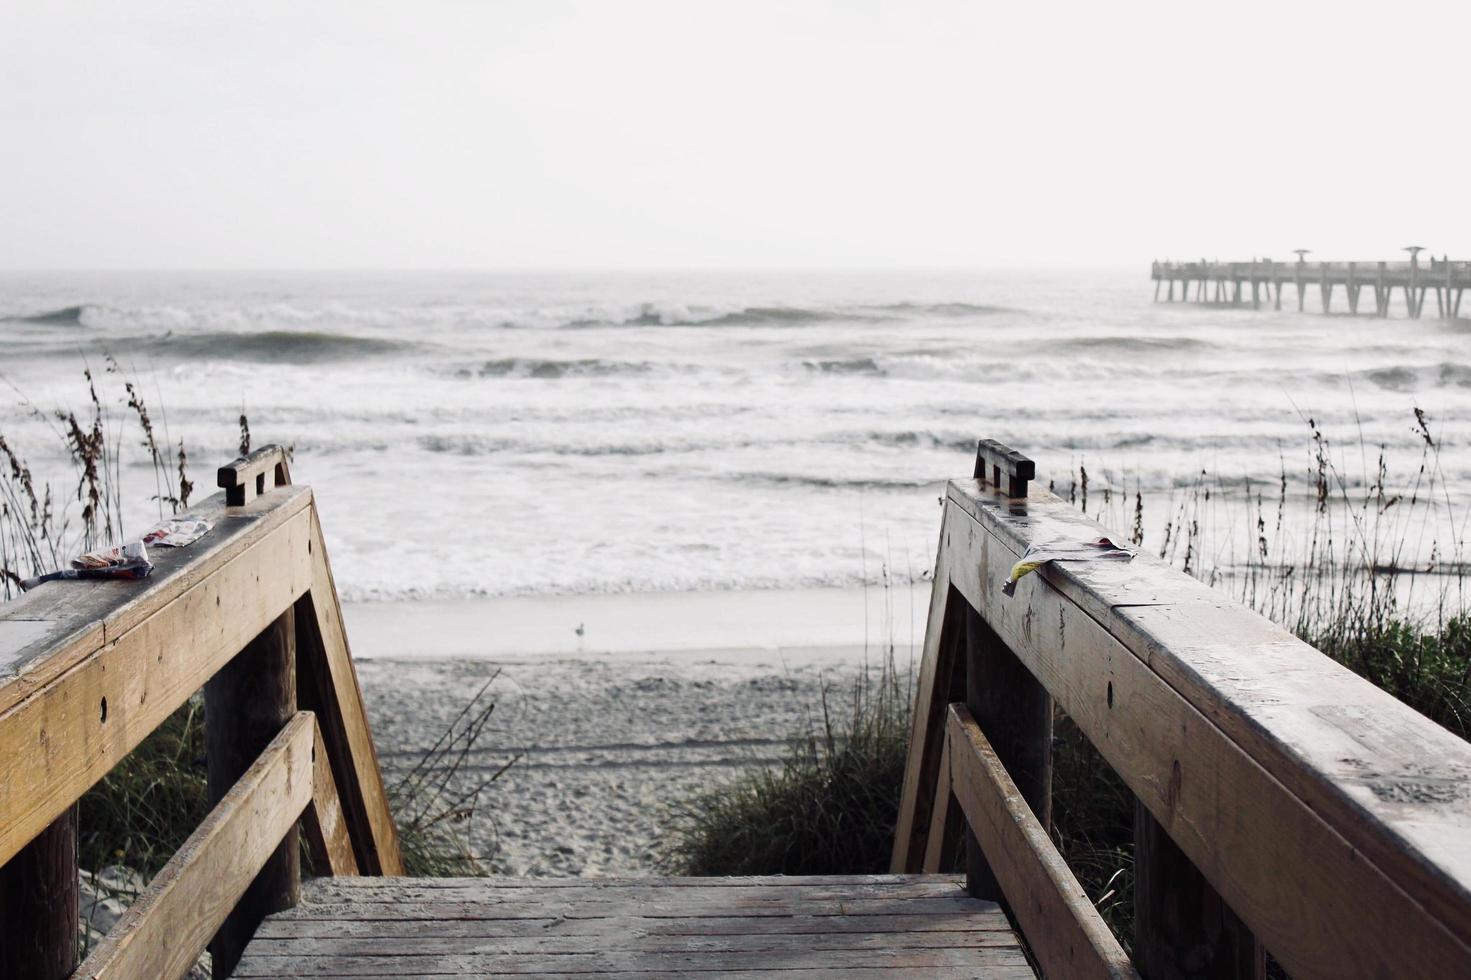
(1182, 928)
(1015, 712)
(246, 705)
(40, 903)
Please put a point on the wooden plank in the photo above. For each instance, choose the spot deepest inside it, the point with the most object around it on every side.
(249, 477)
(674, 907)
(1016, 712)
(1317, 902)
(632, 940)
(941, 680)
(943, 844)
(1392, 782)
(50, 629)
(166, 929)
(246, 704)
(328, 685)
(59, 741)
(490, 892)
(1004, 960)
(1182, 928)
(39, 905)
(722, 882)
(969, 922)
(1067, 935)
(323, 824)
(846, 973)
(1006, 469)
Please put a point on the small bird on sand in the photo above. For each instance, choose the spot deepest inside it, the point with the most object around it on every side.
(579, 631)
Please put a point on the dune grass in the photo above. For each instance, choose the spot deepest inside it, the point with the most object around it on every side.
(142, 811)
(830, 809)
(1370, 581)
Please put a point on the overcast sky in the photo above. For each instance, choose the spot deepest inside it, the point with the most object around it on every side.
(747, 134)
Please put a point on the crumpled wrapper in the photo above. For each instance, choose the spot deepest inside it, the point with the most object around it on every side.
(1063, 549)
(127, 562)
(178, 532)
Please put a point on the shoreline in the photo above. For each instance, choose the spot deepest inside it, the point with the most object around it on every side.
(817, 623)
(614, 730)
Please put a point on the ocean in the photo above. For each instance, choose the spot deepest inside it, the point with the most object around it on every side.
(504, 434)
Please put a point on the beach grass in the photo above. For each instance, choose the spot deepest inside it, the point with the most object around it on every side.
(1369, 580)
(1356, 565)
(142, 811)
(829, 809)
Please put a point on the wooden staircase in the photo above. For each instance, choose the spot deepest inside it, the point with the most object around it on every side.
(1283, 805)
(879, 927)
(250, 614)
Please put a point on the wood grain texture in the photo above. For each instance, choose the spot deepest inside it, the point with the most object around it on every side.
(328, 685)
(985, 962)
(490, 893)
(941, 681)
(1182, 928)
(942, 846)
(255, 475)
(166, 929)
(60, 740)
(386, 969)
(246, 705)
(1015, 711)
(748, 927)
(323, 823)
(50, 629)
(39, 905)
(1289, 866)
(1066, 933)
(1396, 784)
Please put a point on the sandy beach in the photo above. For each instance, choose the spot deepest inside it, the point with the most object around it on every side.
(612, 730)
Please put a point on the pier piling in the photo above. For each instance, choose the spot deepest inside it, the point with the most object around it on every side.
(1227, 283)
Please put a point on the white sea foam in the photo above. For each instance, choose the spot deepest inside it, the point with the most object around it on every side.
(478, 434)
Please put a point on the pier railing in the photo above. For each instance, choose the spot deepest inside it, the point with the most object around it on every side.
(1283, 804)
(88, 670)
(1264, 279)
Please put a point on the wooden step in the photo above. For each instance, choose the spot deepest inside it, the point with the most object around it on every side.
(854, 927)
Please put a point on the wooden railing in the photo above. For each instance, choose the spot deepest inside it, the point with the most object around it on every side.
(1283, 804)
(88, 670)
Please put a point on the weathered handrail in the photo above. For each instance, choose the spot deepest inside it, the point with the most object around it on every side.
(168, 925)
(244, 479)
(1283, 802)
(89, 669)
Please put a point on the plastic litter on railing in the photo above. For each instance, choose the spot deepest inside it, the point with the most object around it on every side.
(129, 561)
(178, 532)
(1063, 549)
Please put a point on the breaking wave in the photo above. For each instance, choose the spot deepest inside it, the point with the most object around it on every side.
(339, 316)
(674, 315)
(945, 309)
(854, 365)
(547, 369)
(269, 346)
(1133, 345)
(67, 316)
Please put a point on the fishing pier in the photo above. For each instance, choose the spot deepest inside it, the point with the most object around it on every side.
(1262, 280)
(1282, 804)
